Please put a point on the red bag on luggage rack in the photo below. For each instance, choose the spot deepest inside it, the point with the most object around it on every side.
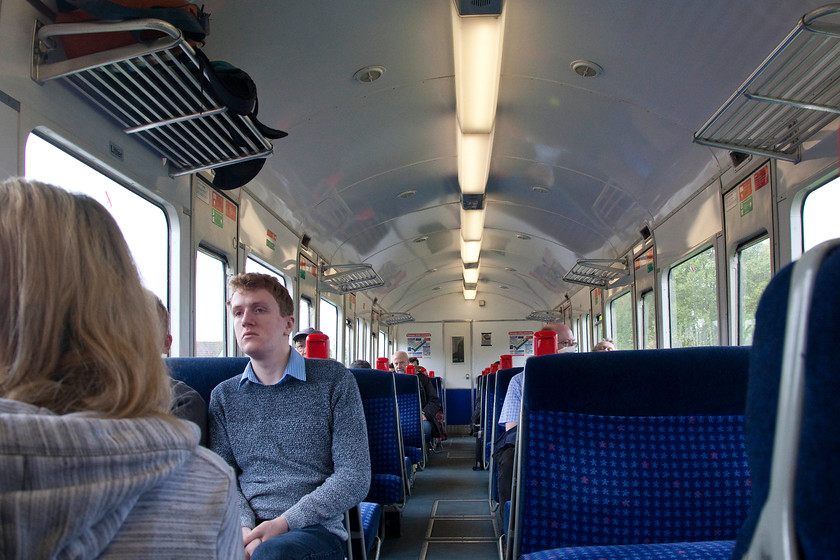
(186, 16)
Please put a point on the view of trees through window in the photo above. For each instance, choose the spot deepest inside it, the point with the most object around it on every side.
(754, 271)
(621, 319)
(692, 290)
(647, 320)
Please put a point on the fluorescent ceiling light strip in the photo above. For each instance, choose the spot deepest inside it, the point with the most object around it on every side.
(472, 224)
(474, 152)
(471, 276)
(469, 294)
(470, 250)
(477, 42)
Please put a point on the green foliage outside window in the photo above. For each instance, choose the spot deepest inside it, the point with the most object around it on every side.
(621, 316)
(754, 270)
(692, 287)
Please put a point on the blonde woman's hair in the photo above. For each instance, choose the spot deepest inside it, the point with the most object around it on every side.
(78, 332)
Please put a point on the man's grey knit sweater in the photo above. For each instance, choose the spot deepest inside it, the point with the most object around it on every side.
(297, 448)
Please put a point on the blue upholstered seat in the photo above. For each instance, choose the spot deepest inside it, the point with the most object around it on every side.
(203, 374)
(816, 493)
(487, 412)
(503, 377)
(605, 460)
(371, 523)
(408, 398)
(714, 550)
(388, 477)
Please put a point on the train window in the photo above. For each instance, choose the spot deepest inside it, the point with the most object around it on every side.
(143, 223)
(692, 294)
(329, 324)
(253, 265)
(584, 343)
(754, 271)
(621, 322)
(348, 340)
(383, 345)
(819, 215)
(305, 319)
(647, 321)
(210, 308)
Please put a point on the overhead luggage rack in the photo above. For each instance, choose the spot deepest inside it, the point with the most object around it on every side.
(793, 94)
(349, 278)
(599, 273)
(153, 90)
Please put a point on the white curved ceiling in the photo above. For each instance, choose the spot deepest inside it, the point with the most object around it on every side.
(613, 152)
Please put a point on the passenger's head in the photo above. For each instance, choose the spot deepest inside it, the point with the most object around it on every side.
(414, 361)
(565, 337)
(360, 364)
(163, 319)
(400, 361)
(78, 332)
(606, 345)
(248, 281)
(299, 340)
(262, 313)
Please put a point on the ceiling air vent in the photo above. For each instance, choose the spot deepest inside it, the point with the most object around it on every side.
(349, 278)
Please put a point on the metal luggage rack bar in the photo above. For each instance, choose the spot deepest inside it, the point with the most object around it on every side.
(153, 90)
(793, 94)
(599, 273)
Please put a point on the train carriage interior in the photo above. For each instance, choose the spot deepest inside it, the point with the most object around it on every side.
(447, 178)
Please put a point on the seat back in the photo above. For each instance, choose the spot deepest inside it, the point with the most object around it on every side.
(503, 377)
(379, 399)
(489, 403)
(631, 447)
(807, 471)
(203, 374)
(411, 425)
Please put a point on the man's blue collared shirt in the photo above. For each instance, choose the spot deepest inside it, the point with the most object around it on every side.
(295, 368)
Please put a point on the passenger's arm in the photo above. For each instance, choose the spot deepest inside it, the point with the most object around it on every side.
(220, 445)
(432, 406)
(350, 481)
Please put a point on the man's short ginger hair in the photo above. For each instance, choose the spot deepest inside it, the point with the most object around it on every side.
(248, 281)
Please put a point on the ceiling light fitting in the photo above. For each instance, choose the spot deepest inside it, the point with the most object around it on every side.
(474, 151)
(478, 44)
(472, 201)
(470, 250)
(472, 224)
(470, 275)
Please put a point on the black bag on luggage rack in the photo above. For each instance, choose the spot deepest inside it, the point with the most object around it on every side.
(238, 92)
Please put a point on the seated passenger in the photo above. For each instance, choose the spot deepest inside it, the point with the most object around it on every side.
(299, 340)
(92, 464)
(360, 364)
(606, 345)
(509, 417)
(432, 410)
(293, 429)
(187, 404)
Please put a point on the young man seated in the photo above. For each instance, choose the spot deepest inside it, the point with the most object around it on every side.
(293, 429)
